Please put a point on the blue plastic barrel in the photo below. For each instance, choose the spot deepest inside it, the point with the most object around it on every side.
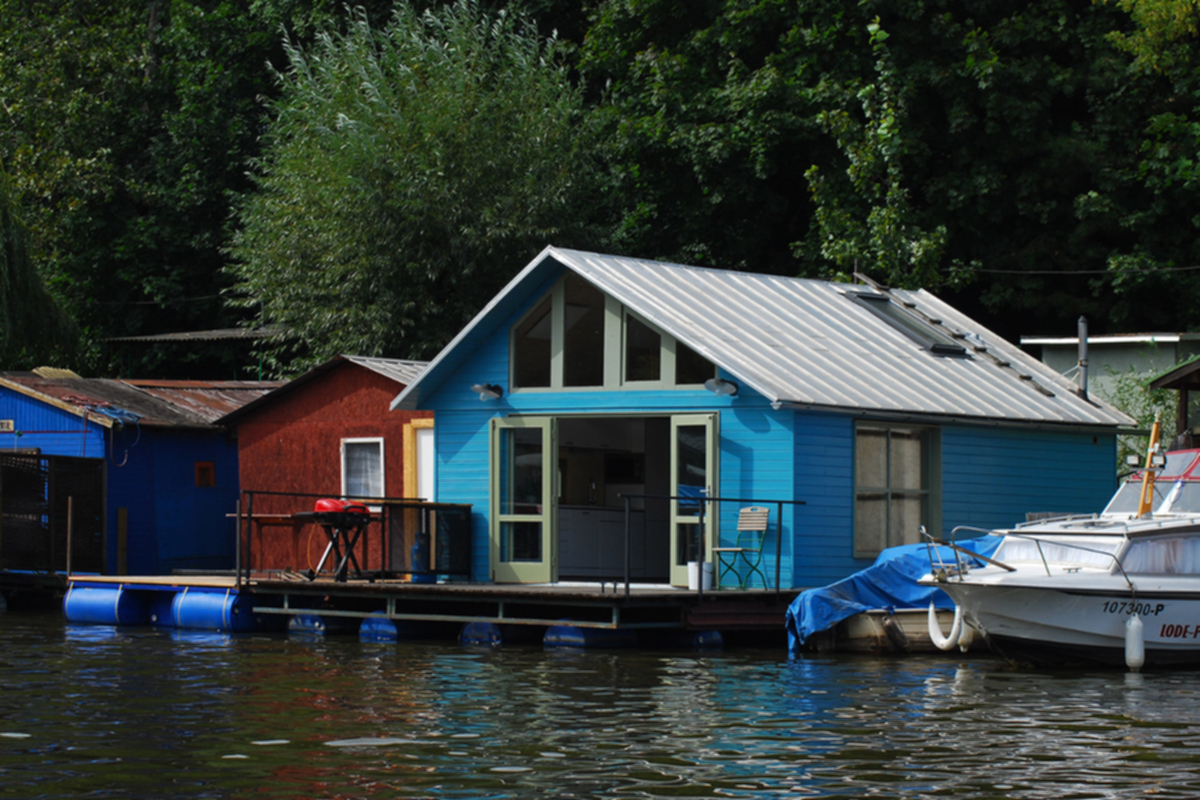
(106, 605)
(159, 605)
(306, 623)
(572, 636)
(208, 610)
(485, 633)
(378, 629)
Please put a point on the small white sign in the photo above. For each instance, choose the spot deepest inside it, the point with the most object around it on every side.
(7, 425)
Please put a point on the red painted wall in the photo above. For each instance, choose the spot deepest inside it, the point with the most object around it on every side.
(292, 444)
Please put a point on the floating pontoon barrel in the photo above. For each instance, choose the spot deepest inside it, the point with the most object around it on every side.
(106, 605)
(574, 636)
(158, 605)
(306, 623)
(378, 629)
(223, 610)
(485, 633)
(332, 625)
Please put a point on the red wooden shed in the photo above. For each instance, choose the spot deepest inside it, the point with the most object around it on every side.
(329, 433)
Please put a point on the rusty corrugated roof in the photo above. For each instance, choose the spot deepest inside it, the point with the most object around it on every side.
(181, 404)
(208, 399)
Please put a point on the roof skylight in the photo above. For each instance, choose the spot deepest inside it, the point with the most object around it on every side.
(928, 335)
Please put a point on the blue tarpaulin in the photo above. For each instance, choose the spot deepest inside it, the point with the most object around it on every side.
(889, 583)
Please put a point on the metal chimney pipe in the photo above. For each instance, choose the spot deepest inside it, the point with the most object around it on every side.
(1083, 358)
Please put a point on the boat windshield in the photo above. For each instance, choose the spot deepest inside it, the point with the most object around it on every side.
(1176, 490)
(1127, 498)
(1179, 497)
(1098, 552)
(1173, 555)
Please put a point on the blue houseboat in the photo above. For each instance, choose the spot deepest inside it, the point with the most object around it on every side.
(135, 470)
(592, 380)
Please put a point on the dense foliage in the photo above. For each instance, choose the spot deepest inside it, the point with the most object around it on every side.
(409, 172)
(32, 326)
(192, 164)
(998, 149)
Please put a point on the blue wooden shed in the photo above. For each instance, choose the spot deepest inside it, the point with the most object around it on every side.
(152, 480)
(591, 378)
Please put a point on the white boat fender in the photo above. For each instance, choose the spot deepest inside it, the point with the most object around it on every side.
(966, 638)
(1135, 643)
(935, 629)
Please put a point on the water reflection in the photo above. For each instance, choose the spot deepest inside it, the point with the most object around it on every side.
(156, 713)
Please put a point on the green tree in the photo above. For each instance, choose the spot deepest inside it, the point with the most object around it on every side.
(127, 127)
(33, 329)
(408, 173)
(1128, 391)
(1004, 150)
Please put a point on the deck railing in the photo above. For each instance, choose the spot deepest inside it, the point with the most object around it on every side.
(703, 504)
(427, 542)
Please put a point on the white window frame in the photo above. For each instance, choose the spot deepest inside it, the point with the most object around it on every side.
(382, 461)
(614, 349)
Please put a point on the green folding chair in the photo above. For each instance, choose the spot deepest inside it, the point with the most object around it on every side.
(744, 559)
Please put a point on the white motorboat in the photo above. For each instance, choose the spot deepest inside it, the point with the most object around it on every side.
(1121, 587)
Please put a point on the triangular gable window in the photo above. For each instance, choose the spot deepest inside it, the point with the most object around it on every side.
(576, 337)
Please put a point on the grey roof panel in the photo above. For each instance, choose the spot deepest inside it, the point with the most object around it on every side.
(400, 371)
(805, 343)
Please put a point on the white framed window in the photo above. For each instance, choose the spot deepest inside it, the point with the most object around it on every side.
(362, 467)
(575, 336)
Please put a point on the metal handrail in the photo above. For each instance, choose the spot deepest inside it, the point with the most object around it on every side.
(1112, 556)
(702, 502)
(1015, 535)
(245, 540)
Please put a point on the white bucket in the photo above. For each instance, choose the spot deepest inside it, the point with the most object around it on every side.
(695, 569)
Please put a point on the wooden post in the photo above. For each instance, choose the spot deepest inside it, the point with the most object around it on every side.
(70, 529)
(1181, 421)
(122, 540)
(51, 517)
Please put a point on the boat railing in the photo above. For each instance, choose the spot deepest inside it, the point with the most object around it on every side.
(931, 545)
(1059, 518)
(1059, 543)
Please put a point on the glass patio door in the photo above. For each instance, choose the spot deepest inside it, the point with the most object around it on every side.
(694, 449)
(523, 500)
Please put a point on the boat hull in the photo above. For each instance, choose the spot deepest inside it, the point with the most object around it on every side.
(1061, 626)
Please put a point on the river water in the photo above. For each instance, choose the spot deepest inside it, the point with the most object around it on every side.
(143, 713)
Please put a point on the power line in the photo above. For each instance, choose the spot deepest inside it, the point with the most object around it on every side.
(1165, 269)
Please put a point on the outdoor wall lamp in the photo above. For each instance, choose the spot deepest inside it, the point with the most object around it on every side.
(721, 387)
(487, 391)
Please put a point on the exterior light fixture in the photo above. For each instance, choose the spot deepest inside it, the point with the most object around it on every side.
(721, 387)
(487, 391)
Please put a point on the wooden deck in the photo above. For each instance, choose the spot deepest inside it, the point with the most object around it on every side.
(593, 605)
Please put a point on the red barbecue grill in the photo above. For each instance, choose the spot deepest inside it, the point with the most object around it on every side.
(344, 522)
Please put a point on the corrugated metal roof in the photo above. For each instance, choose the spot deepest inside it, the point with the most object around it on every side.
(404, 372)
(187, 404)
(215, 335)
(805, 343)
(209, 400)
(398, 370)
